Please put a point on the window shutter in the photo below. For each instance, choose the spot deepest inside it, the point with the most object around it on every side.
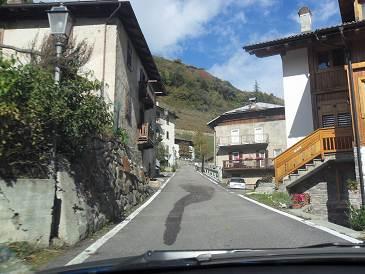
(328, 120)
(344, 119)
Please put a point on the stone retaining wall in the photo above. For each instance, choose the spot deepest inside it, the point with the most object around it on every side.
(330, 196)
(99, 187)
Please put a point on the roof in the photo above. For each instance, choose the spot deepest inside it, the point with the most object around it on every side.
(253, 107)
(274, 47)
(169, 111)
(249, 111)
(93, 9)
(347, 10)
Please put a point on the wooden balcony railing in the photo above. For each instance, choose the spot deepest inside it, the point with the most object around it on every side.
(320, 142)
(243, 140)
(146, 135)
(264, 163)
(331, 79)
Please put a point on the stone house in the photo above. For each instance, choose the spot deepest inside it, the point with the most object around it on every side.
(166, 131)
(247, 139)
(324, 92)
(184, 149)
(120, 59)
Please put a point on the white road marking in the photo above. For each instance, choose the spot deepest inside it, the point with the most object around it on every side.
(306, 222)
(96, 245)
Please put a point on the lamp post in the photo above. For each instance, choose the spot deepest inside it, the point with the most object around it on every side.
(60, 23)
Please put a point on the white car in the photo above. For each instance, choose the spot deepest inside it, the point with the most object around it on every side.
(237, 183)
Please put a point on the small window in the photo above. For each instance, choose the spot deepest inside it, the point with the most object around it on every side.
(277, 152)
(323, 60)
(328, 120)
(129, 56)
(344, 119)
(338, 57)
(235, 156)
(167, 119)
(167, 135)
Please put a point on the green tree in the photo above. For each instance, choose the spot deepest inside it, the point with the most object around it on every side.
(162, 154)
(201, 146)
(35, 113)
(256, 87)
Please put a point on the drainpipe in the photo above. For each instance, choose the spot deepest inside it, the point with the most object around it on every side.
(104, 46)
(355, 116)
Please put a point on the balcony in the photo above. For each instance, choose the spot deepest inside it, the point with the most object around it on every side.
(250, 164)
(331, 80)
(243, 140)
(146, 136)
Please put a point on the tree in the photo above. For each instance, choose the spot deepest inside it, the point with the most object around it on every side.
(35, 112)
(201, 146)
(162, 154)
(256, 87)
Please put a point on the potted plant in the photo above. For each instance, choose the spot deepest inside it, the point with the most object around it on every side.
(298, 200)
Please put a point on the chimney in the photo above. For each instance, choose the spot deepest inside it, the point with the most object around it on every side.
(15, 2)
(305, 19)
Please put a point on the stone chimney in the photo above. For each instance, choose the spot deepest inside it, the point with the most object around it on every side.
(305, 19)
(16, 1)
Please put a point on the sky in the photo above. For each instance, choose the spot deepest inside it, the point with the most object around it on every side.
(211, 33)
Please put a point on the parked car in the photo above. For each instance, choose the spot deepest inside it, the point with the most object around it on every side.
(237, 183)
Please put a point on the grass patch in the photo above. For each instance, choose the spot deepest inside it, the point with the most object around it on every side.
(273, 200)
(33, 256)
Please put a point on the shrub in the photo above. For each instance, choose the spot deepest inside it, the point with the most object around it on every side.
(357, 218)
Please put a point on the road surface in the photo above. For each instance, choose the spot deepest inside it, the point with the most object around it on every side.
(193, 213)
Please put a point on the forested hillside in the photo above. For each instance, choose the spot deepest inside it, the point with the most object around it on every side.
(197, 96)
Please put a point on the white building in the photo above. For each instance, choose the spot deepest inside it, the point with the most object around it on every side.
(120, 59)
(166, 130)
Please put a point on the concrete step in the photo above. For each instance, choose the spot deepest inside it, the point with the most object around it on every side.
(302, 171)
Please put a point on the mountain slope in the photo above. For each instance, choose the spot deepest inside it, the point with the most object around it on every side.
(196, 96)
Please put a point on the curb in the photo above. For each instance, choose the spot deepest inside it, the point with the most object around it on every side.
(296, 218)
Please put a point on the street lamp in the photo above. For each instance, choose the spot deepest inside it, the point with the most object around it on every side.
(60, 22)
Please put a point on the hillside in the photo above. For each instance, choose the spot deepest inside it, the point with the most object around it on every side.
(196, 96)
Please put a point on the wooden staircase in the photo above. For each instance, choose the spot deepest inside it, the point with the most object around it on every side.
(309, 155)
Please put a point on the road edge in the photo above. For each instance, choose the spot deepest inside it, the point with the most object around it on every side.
(84, 255)
(286, 214)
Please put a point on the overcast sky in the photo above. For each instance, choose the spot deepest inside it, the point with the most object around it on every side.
(211, 33)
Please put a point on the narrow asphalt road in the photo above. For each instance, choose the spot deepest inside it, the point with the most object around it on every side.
(193, 213)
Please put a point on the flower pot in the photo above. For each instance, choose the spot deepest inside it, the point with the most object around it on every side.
(296, 206)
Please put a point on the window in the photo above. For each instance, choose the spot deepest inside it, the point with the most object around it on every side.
(235, 136)
(167, 135)
(338, 57)
(344, 119)
(276, 152)
(323, 60)
(129, 56)
(167, 119)
(259, 135)
(235, 156)
(328, 120)
(142, 77)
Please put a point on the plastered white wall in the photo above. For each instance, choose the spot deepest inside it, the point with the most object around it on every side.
(297, 95)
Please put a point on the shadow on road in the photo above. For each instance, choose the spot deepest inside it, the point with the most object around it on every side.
(197, 194)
